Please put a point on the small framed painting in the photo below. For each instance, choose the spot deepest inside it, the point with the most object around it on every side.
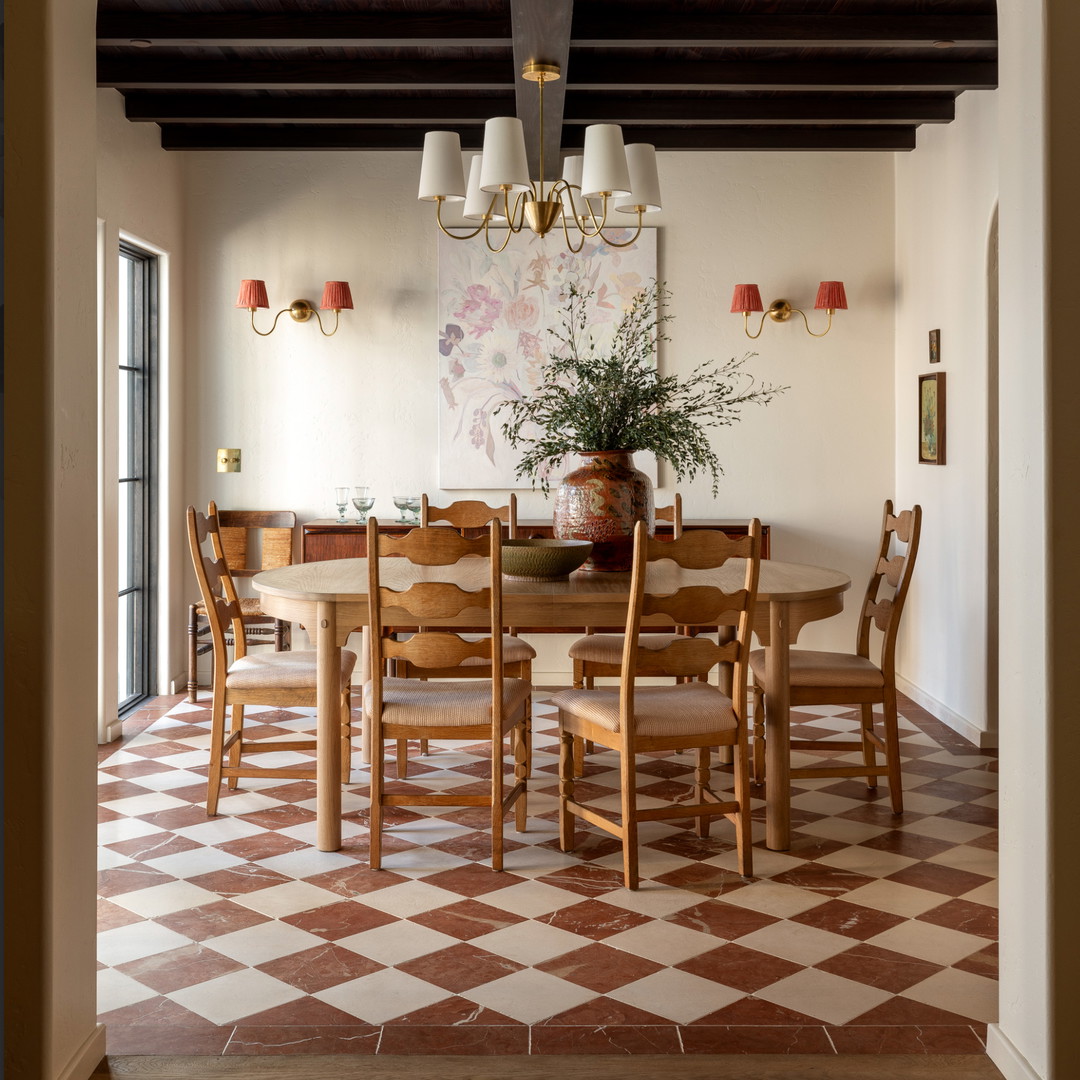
(932, 419)
(935, 346)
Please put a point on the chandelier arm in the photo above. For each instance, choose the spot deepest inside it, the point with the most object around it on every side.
(598, 226)
(502, 246)
(624, 243)
(454, 236)
(569, 242)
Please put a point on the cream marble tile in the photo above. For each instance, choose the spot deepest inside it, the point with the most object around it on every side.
(410, 898)
(531, 942)
(958, 992)
(868, 861)
(677, 995)
(152, 802)
(231, 997)
(382, 995)
(773, 898)
(532, 898)
(529, 996)
(957, 832)
(795, 942)
(663, 942)
(195, 861)
(985, 894)
(397, 942)
(827, 997)
(286, 899)
(895, 898)
(973, 859)
(135, 941)
(115, 990)
(267, 941)
(937, 944)
(842, 829)
(165, 899)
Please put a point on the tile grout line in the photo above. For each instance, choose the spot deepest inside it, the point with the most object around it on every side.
(828, 1036)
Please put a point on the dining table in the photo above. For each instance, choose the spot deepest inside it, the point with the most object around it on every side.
(330, 600)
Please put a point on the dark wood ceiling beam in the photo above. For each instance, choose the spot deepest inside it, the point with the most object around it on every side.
(584, 108)
(595, 73)
(229, 108)
(315, 73)
(609, 73)
(341, 137)
(325, 29)
(541, 34)
(665, 28)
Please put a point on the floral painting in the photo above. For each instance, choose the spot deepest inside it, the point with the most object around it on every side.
(495, 311)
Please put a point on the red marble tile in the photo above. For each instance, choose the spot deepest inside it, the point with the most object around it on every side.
(316, 969)
(903, 1011)
(131, 769)
(177, 968)
(822, 879)
(882, 968)
(470, 880)
(280, 817)
(301, 1012)
(613, 1039)
(879, 813)
(476, 846)
(293, 791)
(973, 815)
(964, 915)
(942, 879)
(933, 769)
(333, 921)
(988, 841)
(984, 962)
(156, 1010)
(355, 880)
(238, 880)
(212, 920)
(359, 1039)
(261, 846)
(857, 789)
(943, 1039)
(594, 919)
(720, 919)
(105, 815)
(738, 967)
(604, 1012)
(763, 1039)
(911, 845)
(163, 749)
(154, 846)
(702, 878)
(850, 920)
(952, 790)
(452, 1011)
(691, 846)
(599, 967)
(752, 1012)
(585, 879)
(805, 845)
(128, 878)
(471, 1039)
(467, 919)
(461, 967)
(177, 817)
(589, 845)
(160, 1040)
(110, 916)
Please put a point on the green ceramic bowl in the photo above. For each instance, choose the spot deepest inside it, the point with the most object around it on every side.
(543, 560)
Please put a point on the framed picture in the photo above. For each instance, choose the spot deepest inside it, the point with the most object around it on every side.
(932, 419)
(935, 346)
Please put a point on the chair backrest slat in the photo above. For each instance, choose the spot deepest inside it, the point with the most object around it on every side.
(892, 572)
(270, 533)
(215, 586)
(470, 514)
(672, 513)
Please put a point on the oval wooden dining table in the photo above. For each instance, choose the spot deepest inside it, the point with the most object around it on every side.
(330, 600)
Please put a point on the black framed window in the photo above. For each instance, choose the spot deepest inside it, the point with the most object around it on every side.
(137, 442)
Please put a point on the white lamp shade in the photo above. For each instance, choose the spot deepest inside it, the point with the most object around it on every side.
(644, 183)
(604, 168)
(441, 173)
(571, 173)
(477, 201)
(504, 160)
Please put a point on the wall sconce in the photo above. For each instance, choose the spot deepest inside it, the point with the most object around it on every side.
(336, 297)
(747, 298)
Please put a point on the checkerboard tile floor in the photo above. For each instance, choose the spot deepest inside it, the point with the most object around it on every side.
(233, 935)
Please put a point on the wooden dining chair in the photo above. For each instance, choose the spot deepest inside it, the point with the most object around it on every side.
(489, 709)
(692, 715)
(599, 655)
(471, 517)
(831, 678)
(283, 679)
(249, 541)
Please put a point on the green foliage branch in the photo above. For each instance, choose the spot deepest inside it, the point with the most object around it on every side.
(617, 400)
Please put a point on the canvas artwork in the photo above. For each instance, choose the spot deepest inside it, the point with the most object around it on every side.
(495, 311)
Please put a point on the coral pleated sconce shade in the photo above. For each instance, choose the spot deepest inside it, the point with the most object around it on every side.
(252, 294)
(746, 298)
(831, 296)
(336, 297)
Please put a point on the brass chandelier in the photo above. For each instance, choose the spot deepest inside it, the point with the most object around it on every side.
(608, 175)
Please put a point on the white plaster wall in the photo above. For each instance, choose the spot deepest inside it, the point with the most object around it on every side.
(140, 196)
(310, 413)
(946, 192)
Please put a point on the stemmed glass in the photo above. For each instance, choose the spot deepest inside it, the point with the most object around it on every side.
(341, 497)
(409, 508)
(363, 503)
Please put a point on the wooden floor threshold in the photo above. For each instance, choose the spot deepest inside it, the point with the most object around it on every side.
(628, 1067)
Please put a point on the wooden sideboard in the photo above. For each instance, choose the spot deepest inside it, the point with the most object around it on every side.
(326, 538)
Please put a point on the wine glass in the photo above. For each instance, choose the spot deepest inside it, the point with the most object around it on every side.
(409, 508)
(341, 497)
(363, 503)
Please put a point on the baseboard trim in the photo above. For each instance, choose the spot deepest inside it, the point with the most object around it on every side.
(1001, 1051)
(86, 1059)
(984, 740)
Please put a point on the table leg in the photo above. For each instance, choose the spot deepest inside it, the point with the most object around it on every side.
(725, 754)
(328, 730)
(777, 735)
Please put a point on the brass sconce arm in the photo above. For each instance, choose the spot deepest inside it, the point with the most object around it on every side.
(336, 298)
(747, 299)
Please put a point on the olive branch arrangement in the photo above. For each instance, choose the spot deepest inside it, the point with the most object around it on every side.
(616, 399)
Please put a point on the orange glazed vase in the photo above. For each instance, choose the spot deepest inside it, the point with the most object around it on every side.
(602, 501)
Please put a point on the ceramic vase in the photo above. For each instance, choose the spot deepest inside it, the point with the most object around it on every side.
(601, 501)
